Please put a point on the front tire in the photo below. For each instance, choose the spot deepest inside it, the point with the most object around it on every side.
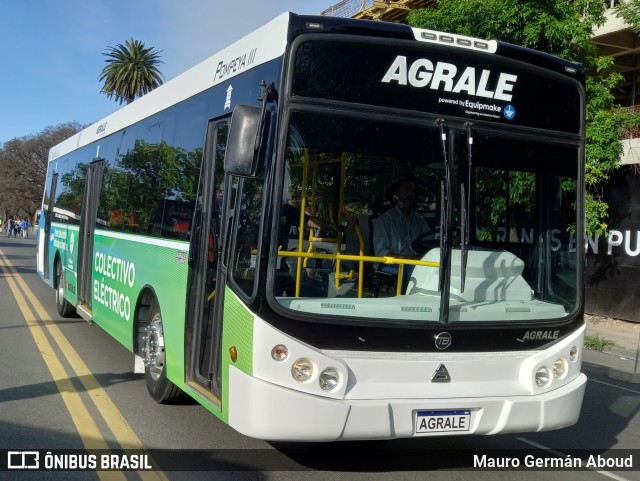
(65, 308)
(160, 388)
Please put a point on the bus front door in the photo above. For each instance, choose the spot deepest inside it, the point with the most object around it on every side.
(45, 231)
(85, 240)
(205, 292)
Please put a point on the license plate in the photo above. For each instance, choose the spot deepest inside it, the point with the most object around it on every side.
(443, 421)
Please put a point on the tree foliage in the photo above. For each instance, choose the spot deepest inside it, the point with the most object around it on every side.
(131, 71)
(630, 13)
(563, 29)
(23, 169)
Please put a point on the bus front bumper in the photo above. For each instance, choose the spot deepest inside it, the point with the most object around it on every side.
(266, 411)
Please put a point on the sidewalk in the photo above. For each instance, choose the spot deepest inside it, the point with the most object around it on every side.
(620, 359)
(32, 233)
(625, 334)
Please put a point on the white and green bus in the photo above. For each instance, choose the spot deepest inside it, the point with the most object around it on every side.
(228, 229)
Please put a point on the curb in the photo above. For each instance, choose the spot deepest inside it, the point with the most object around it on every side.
(622, 352)
(632, 377)
(619, 362)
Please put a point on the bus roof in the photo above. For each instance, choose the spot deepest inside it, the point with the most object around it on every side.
(269, 42)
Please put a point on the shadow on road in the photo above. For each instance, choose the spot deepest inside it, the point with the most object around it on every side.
(47, 388)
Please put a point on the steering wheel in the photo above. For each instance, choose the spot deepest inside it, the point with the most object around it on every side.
(425, 242)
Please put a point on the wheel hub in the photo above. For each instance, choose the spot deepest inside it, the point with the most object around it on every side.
(153, 347)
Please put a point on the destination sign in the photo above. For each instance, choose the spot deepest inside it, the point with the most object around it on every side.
(443, 81)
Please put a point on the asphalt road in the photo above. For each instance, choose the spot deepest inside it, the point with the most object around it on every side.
(66, 386)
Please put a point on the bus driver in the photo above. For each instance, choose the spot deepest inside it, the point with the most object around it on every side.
(396, 230)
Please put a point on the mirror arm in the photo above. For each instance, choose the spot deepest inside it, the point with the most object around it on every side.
(268, 93)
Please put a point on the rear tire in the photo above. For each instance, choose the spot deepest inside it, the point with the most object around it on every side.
(160, 388)
(65, 308)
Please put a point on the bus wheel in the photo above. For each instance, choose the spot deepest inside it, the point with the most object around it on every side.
(65, 308)
(160, 388)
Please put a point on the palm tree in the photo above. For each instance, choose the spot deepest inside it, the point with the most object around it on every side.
(131, 71)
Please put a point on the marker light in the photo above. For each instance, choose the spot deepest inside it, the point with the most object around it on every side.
(302, 369)
(233, 353)
(560, 368)
(573, 355)
(279, 353)
(542, 377)
(329, 379)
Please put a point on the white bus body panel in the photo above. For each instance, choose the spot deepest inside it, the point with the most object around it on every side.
(380, 393)
(267, 411)
(40, 252)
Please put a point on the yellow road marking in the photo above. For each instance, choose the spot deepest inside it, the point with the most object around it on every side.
(122, 431)
(86, 427)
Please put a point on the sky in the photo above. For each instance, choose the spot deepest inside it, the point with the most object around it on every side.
(51, 52)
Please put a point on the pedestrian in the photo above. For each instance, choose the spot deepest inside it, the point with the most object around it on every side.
(24, 227)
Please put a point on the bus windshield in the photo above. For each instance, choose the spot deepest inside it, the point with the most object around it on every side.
(382, 219)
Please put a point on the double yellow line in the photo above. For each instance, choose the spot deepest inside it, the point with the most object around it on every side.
(85, 424)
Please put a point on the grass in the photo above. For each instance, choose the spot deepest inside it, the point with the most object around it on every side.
(597, 343)
(597, 319)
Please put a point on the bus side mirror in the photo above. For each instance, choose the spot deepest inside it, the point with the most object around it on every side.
(247, 140)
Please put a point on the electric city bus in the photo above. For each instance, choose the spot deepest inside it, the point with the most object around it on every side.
(226, 228)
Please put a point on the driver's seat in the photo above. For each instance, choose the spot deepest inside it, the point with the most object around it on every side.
(378, 278)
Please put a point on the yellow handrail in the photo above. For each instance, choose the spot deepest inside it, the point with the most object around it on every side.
(355, 257)
(303, 257)
(400, 262)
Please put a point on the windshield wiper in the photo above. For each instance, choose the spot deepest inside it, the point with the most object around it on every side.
(444, 280)
(464, 210)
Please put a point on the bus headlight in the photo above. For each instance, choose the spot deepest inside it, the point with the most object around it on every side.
(542, 377)
(302, 369)
(329, 379)
(560, 368)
